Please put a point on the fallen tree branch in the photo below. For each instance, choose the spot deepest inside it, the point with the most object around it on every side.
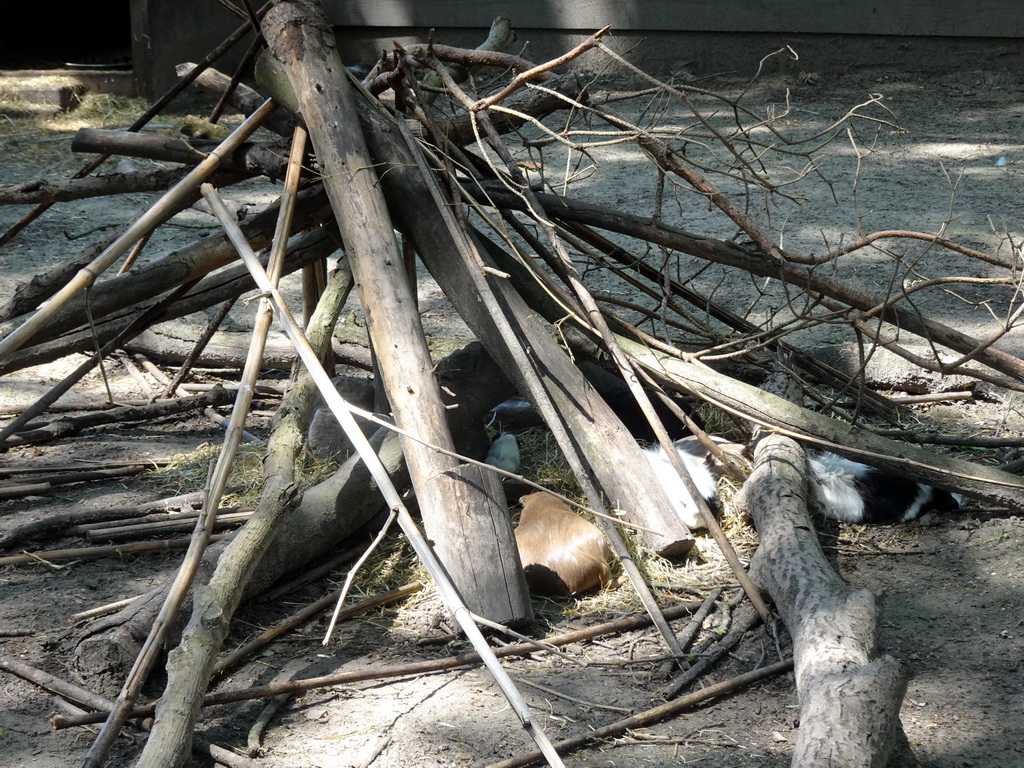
(849, 696)
(760, 264)
(66, 426)
(97, 552)
(63, 190)
(655, 714)
(249, 159)
(153, 217)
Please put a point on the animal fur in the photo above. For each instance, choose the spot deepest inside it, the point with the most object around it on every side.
(703, 470)
(852, 492)
(562, 554)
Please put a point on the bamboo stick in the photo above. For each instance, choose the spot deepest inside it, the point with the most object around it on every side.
(218, 479)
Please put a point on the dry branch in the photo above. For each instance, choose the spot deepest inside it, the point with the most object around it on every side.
(184, 265)
(57, 191)
(627, 624)
(249, 159)
(145, 224)
(849, 696)
(42, 556)
(190, 664)
(757, 263)
(66, 426)
(655, 714)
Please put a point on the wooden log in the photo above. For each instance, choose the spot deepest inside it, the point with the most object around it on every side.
(72, 425)
(610, 452)
(849, 695)
(50, 191)
(459, 514)
(250, 159)
(173, 345)
(181, 266)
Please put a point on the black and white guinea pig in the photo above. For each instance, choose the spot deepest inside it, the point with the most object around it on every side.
(844, 490)
(704, 471)
(852, 492)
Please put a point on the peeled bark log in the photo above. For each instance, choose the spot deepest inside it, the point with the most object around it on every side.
(849, 696)
(610, 452)
(455, 502)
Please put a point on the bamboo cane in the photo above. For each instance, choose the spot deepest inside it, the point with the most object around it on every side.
(343, 413)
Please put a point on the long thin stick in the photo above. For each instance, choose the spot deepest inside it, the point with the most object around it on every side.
(400, 670)
(184, 82)
(94, 552)
(342, 412)
(655, 714)
(147, 657)
(348, 611)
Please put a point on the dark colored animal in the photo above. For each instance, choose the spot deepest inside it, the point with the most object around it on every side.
(852, 492)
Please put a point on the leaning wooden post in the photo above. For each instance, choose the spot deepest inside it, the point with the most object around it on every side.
(463, 507)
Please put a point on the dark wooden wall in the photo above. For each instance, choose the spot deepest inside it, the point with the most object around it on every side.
(701, 35)
(986, 18)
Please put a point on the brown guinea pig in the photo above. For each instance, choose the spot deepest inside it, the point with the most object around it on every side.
(562, 554)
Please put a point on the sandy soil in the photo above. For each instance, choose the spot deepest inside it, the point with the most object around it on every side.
(950, 588)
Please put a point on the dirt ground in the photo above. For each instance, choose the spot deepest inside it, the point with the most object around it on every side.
(950, 587)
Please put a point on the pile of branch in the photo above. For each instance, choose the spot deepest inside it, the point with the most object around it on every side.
(435, 162)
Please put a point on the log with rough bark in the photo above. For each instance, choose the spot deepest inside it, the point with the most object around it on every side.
(849, 695)
(609, 450)
(250, 159)
(460, 513)
(48, 191)
(183, 265)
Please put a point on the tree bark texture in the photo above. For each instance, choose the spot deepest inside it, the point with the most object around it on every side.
(609, 451)
(849, 697)
(250, 159)
(453, 502)
(999, 488)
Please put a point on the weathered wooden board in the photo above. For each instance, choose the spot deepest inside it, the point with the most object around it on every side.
(989, 18)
